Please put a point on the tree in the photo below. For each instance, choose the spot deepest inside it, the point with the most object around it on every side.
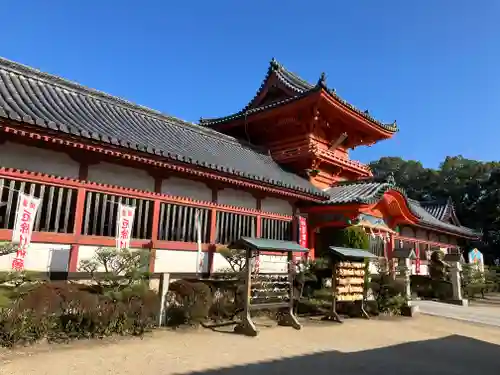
(122, 267)
(473, 185)
(353, 237)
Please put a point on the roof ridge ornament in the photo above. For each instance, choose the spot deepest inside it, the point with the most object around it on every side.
(390, 179)
(275, 64)
(322, 80)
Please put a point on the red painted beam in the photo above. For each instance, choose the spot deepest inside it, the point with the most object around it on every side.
(131, 193)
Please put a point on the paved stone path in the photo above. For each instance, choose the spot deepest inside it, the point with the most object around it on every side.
(489, 315)
(422, 345)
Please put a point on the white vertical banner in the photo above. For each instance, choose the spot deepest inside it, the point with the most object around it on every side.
(27, 207)
(124, 222)
(199, 253)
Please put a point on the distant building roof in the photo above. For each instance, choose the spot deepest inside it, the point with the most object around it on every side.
(369, 192)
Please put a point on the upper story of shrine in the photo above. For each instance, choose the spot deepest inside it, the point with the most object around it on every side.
(307, 128)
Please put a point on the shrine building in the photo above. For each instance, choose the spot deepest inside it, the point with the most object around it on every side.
(253, 173)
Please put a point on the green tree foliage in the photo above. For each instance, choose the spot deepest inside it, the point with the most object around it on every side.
(353, 237)
(473, 185)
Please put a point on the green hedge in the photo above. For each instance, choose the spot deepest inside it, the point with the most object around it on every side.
(60, 311)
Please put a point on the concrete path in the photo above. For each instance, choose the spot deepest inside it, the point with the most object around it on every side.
(489, 315)
(422, 345)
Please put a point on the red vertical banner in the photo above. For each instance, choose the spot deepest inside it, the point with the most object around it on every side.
(27, 207)
(303, 233)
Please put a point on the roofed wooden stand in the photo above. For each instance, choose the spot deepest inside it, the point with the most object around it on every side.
(290, 144)
(265, 290)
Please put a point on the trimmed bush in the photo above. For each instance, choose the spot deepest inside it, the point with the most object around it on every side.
(61, 311)
(388, 293)
(188, 302)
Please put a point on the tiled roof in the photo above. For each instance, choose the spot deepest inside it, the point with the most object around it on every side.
(263, 244)
(51, 102)
(368, 192)
(348, 253)
(442, 210)
(427, 218)
(301, 88)
(358, 192)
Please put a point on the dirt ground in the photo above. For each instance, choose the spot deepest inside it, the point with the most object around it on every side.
(405, 346)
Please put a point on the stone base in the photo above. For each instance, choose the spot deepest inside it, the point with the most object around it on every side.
(410, 311)
(458, 302)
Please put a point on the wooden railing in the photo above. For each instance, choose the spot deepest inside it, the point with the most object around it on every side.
(88, 212)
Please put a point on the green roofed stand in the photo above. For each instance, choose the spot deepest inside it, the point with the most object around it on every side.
(251, 246)
(345, 253)
(262, 244)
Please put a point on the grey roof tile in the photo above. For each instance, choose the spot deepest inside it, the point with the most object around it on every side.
(263, 244)
(371, 192)
(348, 253)
(301, 88)
(443, 210)
(61, 105)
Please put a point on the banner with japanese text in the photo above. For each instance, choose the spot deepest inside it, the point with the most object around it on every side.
(27, 207)
(302, 235)
(124, 224)
(303, 232)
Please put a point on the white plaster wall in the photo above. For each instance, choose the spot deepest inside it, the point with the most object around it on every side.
(186, 188)
(178, 261)
(236, 198)
(34, 159)
(114, 174)
(220, 264)
(424, 270)
(279, 206)
(41, 257)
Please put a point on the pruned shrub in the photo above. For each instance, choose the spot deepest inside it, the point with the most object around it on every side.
(188, 302)
(61, 311)
(388, 293)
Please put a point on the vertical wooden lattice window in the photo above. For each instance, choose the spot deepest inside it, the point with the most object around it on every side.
(232, 226)
(56, 212)
(101, 210)
(178, 223)
(423, 248)
(273, 229)
(377, 246)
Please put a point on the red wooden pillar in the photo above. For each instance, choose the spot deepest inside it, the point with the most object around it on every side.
(155, 223)
(312, 242)
(213, 232)
(212, 239)
(258, 225)
(83, 173)
(77, 229)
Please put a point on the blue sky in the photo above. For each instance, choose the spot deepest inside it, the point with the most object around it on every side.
(433, 65)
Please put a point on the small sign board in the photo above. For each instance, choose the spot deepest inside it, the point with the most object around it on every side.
(476, 258)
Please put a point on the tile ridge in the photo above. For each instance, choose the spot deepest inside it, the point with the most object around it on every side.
(66, 84)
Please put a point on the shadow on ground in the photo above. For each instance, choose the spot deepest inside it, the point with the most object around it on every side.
(452, 355)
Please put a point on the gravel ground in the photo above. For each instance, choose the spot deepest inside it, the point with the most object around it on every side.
(404, 346)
